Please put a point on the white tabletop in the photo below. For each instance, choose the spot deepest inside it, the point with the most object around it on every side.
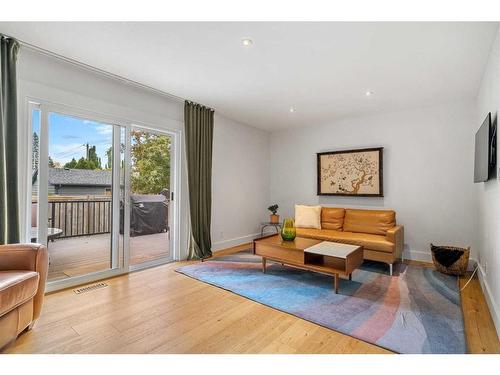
(333, 249)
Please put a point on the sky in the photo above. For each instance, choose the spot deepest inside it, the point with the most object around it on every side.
(69, 135)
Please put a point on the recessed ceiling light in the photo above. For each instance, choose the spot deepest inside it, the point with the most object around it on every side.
(368, 93)
(247, 42)
(292, 110)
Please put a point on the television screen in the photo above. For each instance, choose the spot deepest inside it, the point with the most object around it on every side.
(483, 151)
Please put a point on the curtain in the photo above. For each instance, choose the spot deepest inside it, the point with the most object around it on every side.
(9, 205)
(199, 129)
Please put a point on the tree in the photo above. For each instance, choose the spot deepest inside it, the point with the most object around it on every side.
(51, 163)
(91, 161)
(86, 164)
(150, 162)
(71, 164)
(93, 158)
(109, 156)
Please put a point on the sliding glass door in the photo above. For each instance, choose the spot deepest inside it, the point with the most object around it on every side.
(80, 195)
(150, 197)
(101, 194)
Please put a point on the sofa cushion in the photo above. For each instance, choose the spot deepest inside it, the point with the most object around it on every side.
(16, 287)
(307, 216)
(369, 221)
(368, 241)
(332, 218)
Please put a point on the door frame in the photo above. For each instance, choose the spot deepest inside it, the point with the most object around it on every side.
(45, 108)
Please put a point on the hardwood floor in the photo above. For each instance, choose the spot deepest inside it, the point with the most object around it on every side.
(161, 311)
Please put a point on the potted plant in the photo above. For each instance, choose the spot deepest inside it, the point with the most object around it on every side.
(274, 218)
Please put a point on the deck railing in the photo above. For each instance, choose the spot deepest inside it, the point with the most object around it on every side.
(80, 217)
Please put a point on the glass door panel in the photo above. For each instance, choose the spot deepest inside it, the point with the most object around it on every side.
(81, 203)
(150, 208)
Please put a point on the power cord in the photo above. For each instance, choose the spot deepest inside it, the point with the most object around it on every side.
(471, 277)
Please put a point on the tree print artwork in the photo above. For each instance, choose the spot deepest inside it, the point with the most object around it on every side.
(354, 172)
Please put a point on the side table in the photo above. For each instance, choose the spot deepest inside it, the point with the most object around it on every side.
(277, 227)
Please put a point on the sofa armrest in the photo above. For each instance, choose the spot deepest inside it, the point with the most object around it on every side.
(27, 257)
(396, 236)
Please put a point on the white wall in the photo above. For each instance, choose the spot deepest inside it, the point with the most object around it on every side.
(240, 187)
(240, 164)
(428, 170)
(489, 192)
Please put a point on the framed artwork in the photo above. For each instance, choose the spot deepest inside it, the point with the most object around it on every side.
(351, 172)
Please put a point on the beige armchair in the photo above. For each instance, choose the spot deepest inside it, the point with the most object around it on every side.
(23, 273)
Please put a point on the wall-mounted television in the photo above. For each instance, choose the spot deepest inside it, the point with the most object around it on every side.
(485, 151)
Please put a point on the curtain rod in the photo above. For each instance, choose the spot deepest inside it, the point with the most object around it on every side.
(97, 70)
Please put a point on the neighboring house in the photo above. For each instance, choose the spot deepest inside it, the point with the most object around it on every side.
(65, 181)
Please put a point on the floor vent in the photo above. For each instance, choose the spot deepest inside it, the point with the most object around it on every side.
(90, 288)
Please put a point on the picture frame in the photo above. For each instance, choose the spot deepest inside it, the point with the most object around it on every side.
(356, 172)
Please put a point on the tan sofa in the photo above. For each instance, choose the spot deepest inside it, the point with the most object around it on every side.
(375, 230)
(23, 272)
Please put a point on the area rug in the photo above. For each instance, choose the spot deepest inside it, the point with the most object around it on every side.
(417, 310)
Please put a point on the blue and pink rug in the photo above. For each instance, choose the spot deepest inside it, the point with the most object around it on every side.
(417, 310)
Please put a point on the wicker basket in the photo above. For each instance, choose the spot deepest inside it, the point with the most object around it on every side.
(459, 267)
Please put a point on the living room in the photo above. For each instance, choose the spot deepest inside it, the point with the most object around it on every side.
(249, 187)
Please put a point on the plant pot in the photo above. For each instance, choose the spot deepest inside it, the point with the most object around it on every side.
(274, 219)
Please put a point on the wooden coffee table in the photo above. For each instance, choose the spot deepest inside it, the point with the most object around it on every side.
(331, 258)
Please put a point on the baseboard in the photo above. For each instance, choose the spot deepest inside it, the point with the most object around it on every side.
(494, 310)
(221, 245)
(421, 256)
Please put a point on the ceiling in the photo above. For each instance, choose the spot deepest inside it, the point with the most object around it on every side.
(323, 70)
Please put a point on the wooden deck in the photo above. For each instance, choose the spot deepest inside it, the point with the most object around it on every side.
(77, 256)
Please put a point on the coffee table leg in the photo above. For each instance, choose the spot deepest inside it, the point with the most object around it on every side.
(263, 264)
(350, 276)
(336, 283)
